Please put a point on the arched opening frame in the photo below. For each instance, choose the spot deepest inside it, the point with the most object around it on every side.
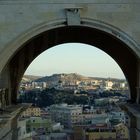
(110, 40)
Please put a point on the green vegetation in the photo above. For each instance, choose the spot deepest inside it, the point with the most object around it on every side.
(51, 96)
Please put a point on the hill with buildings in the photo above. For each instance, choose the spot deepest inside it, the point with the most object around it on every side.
(73, 81)
(72, 77)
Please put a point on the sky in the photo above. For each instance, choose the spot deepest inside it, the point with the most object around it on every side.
(75, 58)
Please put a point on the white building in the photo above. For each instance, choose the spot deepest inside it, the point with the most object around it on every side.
(22, 131)
(109, 85)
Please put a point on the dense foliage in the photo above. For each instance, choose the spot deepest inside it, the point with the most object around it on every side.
(51, 96)
(48, 97)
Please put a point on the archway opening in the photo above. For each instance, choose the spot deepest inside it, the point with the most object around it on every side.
(77, 67)
(118, 50)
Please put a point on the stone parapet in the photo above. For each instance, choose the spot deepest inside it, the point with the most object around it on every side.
(8, 121)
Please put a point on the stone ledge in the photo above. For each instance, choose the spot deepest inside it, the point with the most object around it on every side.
(7, 119)
(131, 109)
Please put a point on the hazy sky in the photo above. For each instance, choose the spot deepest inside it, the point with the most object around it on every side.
(75, 58)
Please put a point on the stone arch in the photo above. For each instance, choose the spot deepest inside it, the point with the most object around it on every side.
(113, 41)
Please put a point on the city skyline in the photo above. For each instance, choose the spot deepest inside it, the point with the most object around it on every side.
(75, 58)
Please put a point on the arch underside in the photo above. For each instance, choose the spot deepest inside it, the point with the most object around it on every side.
(118, 50)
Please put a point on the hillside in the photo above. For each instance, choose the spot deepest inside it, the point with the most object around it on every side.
(29, 78)
(70, 77)
(62, 77)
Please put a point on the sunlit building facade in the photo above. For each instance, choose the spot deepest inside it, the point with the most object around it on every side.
(32, 111)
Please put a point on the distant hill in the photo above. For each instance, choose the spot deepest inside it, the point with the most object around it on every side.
(71, 77)
(63, 76)
(29, 78)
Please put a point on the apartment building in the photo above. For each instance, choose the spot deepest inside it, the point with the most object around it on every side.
(66, 114)
(32, 111)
